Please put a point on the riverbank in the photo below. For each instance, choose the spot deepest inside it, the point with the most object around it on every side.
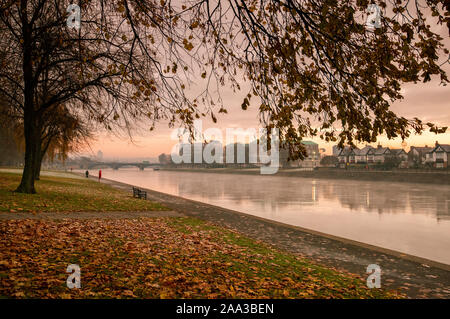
(140, 250)
(417, 277)
(404, 176)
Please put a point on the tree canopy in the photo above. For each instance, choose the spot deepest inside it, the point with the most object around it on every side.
(314, 66)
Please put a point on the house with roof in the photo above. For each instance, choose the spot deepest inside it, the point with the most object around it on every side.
(312, 156)
(344, 155)
(419, 155)
(364, 155)
(352, 155)
(400, 153)
(355, 155)
(439, 155)
(381, 153)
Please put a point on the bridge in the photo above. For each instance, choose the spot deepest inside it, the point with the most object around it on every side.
(117, 165)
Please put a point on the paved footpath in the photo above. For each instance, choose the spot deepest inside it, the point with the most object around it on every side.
(89, 215)
(416, 277)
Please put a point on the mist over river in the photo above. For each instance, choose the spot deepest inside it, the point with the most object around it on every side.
(410, 218)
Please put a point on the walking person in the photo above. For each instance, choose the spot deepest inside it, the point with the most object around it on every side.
(87, 174)
(99, 175)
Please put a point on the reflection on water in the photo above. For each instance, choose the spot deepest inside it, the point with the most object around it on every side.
(412, 218)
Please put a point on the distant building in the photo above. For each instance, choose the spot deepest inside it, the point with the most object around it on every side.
(313, 153)
(312, 158)
(344, 155)
(336, 150)
(439, 155)
(436, 156)
(352, 155)
(419, 155)
(381, 153)
(99, 155)
(399, 153)
(364, 155)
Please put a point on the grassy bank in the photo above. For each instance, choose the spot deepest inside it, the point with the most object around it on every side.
(56, 194)
(175, 257)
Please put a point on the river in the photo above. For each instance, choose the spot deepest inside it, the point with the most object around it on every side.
(410, 218)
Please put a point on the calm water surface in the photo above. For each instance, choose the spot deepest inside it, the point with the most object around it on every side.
(411, 218)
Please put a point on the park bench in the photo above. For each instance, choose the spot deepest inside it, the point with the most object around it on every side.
(139, 193)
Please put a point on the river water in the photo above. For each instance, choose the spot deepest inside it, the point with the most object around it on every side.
(410, 218)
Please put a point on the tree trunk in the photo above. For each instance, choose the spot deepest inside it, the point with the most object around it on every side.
(37, 173)
(38, 164)
(27, 182)
(40, 157)
(29, 114)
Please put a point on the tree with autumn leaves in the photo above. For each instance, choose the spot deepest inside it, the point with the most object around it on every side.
(314, 66)
(62, 134)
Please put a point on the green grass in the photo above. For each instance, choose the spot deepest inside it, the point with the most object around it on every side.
(57, 194)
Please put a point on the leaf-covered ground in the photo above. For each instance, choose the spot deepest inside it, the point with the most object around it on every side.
(172, 257)
(158, 258)
(56, 194)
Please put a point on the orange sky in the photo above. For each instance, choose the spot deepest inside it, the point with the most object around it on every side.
(429, 102)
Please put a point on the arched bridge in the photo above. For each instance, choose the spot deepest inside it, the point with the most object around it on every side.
(117, 165)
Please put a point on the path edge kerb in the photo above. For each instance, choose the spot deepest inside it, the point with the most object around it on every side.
(379, 249)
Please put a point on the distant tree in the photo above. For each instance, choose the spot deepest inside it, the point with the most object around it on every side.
(10, 150)
(164, 159)
(63, 133)
(284, 159)
(329, 160)
(416, 161)
(391, 162)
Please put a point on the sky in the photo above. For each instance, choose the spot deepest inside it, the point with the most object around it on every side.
(429, 102)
